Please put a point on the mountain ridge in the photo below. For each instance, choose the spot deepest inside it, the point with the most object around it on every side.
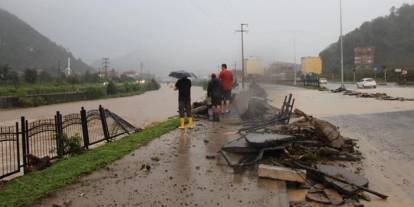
(392, 36)
(22, 47)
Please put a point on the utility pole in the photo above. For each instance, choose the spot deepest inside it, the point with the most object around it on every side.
(105, 66)
(235, 71)
(242, 31)
(342, 45)
(294, 61)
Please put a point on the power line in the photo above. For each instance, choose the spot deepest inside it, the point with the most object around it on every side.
(105, 65)
(206, 14)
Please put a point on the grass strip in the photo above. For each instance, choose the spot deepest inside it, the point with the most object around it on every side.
(24, 190)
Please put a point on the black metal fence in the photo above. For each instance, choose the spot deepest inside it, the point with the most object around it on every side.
(45, 138)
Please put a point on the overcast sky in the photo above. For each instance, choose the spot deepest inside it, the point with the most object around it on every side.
(196, 34)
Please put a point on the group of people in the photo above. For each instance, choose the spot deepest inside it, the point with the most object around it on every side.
(218, 94)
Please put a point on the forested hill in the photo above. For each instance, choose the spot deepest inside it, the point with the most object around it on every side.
(392, 36)
(23, 47)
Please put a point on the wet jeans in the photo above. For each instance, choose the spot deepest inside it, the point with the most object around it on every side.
(184, 107)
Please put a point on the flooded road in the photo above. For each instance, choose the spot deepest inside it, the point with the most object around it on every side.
(181, 175)
(140, 110)
(325, 103)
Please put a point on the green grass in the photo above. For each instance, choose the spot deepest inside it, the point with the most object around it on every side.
(26, 189)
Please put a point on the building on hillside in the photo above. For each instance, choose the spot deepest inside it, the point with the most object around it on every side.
(280, 71)
(68, 69)
(254, 66)
(311, 65)
(131, 74)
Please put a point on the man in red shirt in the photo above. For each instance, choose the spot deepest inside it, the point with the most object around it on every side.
(226, 77)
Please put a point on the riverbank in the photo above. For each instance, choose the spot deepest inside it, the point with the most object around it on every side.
(39, 95)
(24, 190)
(140, 110)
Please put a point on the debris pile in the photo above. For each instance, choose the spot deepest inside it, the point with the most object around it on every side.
(307, 152)
(379, 96)
(36, 163)
(200, 109)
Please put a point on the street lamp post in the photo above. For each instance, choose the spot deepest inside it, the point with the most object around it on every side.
(294, 60)
(242, 31)
(342, 45)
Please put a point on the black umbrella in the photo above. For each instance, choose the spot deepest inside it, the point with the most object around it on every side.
(182, 74)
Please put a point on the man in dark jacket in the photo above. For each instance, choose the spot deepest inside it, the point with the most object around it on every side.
(183, 85)
(215, 92)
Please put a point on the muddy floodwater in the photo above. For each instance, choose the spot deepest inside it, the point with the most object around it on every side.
(140, 110)
(325, 103)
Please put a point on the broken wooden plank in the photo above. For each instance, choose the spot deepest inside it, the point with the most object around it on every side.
(317, 175)
(282, 173)
(345, 174)
(318, 197)
(334, 197)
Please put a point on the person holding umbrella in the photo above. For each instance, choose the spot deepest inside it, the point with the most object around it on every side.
(183, 85)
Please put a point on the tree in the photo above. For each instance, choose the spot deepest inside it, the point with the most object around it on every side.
(4, 72)
(13, 78)
(73, 79)
(111, 88)
(45, 76)
(30, 76)
(391, 36)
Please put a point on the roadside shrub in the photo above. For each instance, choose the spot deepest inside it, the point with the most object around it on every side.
(111, 88)
(38, 101)
(95, 92)
(72, 145)
(23, 100)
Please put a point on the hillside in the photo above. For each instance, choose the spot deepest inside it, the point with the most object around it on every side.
(23, 47)
(392, 36)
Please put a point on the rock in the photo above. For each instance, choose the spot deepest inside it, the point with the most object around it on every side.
(36, 163)
(210, 157)
(156, 159)
(282, 173)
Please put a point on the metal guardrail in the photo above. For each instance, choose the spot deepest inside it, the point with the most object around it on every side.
(45, 138)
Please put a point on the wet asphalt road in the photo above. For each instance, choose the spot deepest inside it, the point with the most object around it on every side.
(184, 177)
(387, 142)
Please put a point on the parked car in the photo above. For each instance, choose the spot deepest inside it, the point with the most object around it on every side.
(323, 81)
(367, 83)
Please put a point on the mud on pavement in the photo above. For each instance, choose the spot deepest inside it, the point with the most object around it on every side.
(180, 173)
